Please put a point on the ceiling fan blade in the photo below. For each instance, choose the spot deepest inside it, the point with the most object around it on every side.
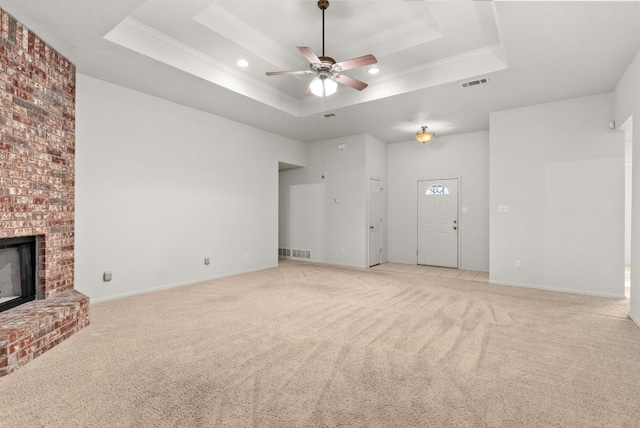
(288, 73)
(308, 53)
(361, 61)
(349, 81)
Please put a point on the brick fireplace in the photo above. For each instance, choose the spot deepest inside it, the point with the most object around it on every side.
(37, 173)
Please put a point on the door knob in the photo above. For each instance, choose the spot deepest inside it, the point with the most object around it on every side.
(370, 227)
(455, 228)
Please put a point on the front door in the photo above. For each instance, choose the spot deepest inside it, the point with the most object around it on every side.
(438, 222)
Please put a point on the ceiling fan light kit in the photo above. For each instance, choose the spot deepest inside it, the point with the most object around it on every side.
(323, 85)
(328, 72)
(424, 136)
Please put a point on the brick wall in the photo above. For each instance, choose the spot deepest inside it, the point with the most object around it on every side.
(37, 150)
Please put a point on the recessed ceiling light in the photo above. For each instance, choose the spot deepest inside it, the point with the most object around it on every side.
(374, 70)
(242, 63)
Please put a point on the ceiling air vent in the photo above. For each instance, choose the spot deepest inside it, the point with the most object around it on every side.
(328, 115)
(476, 82)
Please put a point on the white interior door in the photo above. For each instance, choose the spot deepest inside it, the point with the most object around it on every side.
(438, 222)
(375, 222)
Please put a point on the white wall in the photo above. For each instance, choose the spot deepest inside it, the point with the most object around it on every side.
(627, 106)
(464, 156)
(560, 169)
(160, 186)
(327, 216)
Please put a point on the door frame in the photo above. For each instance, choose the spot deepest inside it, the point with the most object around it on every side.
(459, 217)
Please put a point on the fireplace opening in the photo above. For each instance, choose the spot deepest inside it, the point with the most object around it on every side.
(17, 271)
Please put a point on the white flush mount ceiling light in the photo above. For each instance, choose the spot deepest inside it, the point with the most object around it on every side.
(373, 70)
(328, 71)
(424, 136)
(242, 63)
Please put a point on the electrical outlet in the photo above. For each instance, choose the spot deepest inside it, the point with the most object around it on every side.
(207, 261)
(246, 255)
(342, 250)
(107, 276)
(517, 263)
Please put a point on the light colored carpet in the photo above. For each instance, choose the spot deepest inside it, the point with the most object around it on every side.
(305, 345)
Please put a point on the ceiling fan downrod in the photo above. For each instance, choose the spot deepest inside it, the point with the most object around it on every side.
(323, 5)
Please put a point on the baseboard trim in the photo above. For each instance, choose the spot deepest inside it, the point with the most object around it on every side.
(176, 285)
(560, 290)
(338, 265)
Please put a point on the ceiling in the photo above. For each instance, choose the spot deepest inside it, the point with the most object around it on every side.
(186, 51)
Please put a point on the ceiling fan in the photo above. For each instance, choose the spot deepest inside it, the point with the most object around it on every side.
(327, 70)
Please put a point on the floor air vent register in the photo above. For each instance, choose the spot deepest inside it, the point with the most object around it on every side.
(289, 253)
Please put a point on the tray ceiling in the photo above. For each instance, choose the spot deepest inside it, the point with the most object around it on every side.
(185, 51)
